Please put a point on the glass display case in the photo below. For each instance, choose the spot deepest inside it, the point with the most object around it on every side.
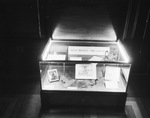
(80, 66)
(84, 68)
(83, 62)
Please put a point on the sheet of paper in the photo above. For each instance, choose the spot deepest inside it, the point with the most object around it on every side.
(111, 84)
(86, 50)
(76, 58)
(85, 71)
(56, 57)
(112, 73)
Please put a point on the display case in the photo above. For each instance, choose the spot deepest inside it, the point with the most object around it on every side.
(84, 63)
(78, 66)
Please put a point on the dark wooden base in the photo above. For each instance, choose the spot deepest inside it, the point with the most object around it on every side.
(101, 100)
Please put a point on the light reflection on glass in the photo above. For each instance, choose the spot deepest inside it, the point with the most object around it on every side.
(123, 52)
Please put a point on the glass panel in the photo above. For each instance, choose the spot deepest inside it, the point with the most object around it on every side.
(70, 76)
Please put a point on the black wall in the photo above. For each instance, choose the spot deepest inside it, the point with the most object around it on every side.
(22, 41)
(138, 37)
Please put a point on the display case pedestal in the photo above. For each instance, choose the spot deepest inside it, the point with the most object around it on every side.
(102, 101)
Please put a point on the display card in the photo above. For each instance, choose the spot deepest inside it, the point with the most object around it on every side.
(56, 57)
(112, 73)
(85, 71)
(86, 50)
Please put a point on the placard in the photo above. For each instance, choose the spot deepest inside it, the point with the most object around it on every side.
(85, 50)
(56, 57)
(85, 71)
(112, 73)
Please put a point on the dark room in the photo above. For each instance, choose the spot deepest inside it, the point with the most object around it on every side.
(75, 59)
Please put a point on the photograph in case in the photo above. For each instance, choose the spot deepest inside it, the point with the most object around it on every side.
(53, 75)
(85, 71)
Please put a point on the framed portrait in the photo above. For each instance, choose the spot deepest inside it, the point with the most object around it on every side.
(53, 75)
(85, 71)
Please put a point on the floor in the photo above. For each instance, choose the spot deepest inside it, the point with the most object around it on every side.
(139, 86)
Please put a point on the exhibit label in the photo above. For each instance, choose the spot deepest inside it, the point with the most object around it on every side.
(84, 50)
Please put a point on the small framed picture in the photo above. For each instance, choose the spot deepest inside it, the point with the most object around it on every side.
(53, 75)
(85, 71)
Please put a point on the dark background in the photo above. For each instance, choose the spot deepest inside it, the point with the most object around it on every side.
(23, 33)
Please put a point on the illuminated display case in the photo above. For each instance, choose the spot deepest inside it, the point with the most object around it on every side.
(78, 66)
(84, 63)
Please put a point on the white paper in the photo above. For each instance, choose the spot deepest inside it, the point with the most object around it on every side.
(85, 71)
(85, 50)
(76, 58)
(56, 57)
(112, 73)
(111, 84)
(72, 88)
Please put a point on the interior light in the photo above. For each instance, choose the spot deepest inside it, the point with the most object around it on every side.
(123, 52)
(46, 49)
